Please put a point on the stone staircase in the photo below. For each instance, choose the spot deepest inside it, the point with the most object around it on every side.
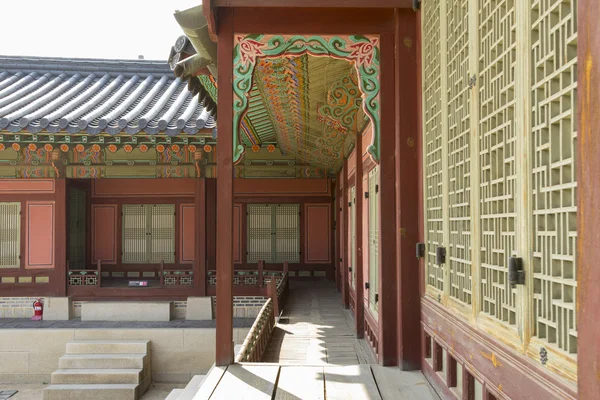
(102, 369)
(189, 392)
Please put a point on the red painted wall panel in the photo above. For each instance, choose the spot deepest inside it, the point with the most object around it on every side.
(27, 186)
(318, 233)
(104, 233)
(282, 187)
(39, 235)
(187, 237)
(143, 187)
(237, 233)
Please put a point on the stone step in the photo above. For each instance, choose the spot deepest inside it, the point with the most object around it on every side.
(96, 376)
(119, 361)
(192, 388)
(108, 346)
(149, 311)
(174, 395)
(96, 392)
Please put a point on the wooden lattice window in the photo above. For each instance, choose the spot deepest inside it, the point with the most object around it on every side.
(273, 233)
(352, 201)
(374, 239)
(77, 228)
(10, 235)
(148, 233)
(554, 175)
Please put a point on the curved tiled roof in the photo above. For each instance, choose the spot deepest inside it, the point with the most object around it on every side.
(96, 96)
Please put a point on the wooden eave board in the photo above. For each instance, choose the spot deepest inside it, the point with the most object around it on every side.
(315, 3)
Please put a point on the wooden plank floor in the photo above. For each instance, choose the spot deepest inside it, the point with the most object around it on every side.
(286, 382)
(315, 329)
(314, 354)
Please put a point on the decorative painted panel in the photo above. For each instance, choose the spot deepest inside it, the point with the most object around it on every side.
(318, 233)
(39, 235)
(458, 150)
(10, 235)
(104, 233)
(28, 186)
(554, 143)
(497, 142)
(432, 126)
(187, 235)
(373, 239)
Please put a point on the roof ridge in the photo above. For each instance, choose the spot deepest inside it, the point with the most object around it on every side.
(34, 63)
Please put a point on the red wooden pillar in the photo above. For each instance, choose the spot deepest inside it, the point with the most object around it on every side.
(588, 193)
(200, 239)
(359, 312)
(388, 293)
(407, 189)
(224, 349)
(60, 240)
(344, 238)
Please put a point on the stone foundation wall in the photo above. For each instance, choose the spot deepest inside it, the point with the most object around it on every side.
(16, 307)
(244, 306)
(21, 307)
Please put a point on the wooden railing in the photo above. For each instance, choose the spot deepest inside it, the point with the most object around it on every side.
(169, 278)
(258, 337)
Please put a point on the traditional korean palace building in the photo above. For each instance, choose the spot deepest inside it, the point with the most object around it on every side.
(437, 160)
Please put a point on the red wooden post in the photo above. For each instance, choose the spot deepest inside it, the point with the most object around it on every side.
(272, 294)
(200, 238)
(224, 333)
(588, 194)
(99, 269)
(407, 312)
(261, 276)
(286, 267)
(359, 312)
(60, 240)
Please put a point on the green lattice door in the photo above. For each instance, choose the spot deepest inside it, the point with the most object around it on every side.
(10, 235)
(273, 233)
(374, 240)
(148, 233)
(77, 228)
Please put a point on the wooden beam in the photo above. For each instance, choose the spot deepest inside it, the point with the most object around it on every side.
(407, 187)
(388, 266)
(359, 309)
(588, 194)
(224, 333)
(344, 245)
(315, 3)
(200, 239)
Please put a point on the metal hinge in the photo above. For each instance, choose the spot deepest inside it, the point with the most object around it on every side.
(366, 195)
(376, 297)
(516, 273)
(366, 285)
(472, 81)
(376, 188)
(416, 5)
(420, 250)
(440, 255)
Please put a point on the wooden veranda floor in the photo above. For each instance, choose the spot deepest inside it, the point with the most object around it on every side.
(314, 355)
(316, 330)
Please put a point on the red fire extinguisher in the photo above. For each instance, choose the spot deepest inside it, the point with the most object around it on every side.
(38, 310)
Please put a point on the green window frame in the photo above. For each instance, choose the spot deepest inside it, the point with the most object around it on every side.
(148, 233)
(10, 235)
(273, 233)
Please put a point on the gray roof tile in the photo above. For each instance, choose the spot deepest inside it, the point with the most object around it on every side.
(94, 96)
